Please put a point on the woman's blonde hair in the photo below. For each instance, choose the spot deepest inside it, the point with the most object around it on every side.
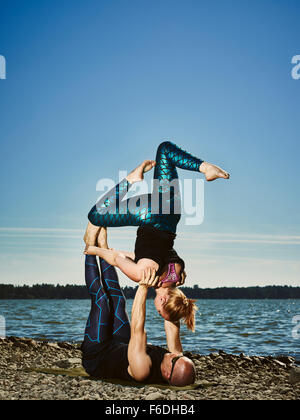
(178, 306)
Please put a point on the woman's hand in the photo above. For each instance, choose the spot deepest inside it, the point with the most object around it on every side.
(149, 278)
(182, 280)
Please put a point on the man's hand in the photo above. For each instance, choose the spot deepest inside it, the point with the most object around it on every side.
(149, 279)
(182, 280)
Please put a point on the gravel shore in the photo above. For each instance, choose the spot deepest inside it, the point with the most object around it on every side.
(222, 376)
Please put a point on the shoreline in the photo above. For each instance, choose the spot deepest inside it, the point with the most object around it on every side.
(221, 376)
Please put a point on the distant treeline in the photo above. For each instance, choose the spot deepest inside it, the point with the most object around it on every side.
(49, 291)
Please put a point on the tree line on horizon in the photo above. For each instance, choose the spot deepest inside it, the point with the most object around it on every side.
(50, 291)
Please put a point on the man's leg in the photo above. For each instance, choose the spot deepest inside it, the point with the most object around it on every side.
(98, 327)
(110, 281)
(121, 325)
(117, 301)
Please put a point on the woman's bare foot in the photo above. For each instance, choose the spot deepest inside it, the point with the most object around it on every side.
(138, 173)
(91, 234)
(102, 238)
(213, 172)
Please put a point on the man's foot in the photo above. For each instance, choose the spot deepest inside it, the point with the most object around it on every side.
(213, 172)
(102, 238)
(138, 173)
(91, 234)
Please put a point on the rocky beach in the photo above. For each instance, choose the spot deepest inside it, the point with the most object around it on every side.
(220, 376)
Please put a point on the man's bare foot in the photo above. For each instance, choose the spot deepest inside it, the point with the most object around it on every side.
(102, 238)
(91, 234)
(213, 172)
(138, 173)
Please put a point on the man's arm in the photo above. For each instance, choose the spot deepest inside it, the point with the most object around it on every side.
(173, 328)
(139, 361)
(173, 337)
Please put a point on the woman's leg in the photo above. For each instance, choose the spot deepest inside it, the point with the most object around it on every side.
(107, 210)
(165, 209)
(169, 157)
(112, 211)
(110, 280)
(98, 327)
(166, 189)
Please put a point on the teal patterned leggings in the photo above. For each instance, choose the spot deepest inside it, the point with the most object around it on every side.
(162, 208)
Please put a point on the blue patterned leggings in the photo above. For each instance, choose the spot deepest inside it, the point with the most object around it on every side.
(108, 317)
(162, 208)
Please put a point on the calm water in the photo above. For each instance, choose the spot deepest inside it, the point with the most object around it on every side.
(261, 327)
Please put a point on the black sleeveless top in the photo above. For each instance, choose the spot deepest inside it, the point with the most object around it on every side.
(109, 360)
(157, 245)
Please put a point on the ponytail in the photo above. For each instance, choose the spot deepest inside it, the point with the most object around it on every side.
(179, 307)
(190, 312)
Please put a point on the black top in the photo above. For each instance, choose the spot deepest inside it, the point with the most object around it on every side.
(157, 245)
(110, 360)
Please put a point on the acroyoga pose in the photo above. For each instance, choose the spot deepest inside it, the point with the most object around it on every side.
(114, 349)
(157, 216)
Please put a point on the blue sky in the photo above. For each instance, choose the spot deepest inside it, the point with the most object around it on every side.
(93, 87)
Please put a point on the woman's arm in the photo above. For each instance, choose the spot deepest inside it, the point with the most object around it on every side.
(127, 254)
(117, 259)
(134, 271)
(112, 257)
(129, 268)
(108, 255)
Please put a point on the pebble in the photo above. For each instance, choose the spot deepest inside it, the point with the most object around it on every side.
(154, 396)
(84, 382)
(53, 345)
(278, 363)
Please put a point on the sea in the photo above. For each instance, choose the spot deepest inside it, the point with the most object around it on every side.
(252, 327)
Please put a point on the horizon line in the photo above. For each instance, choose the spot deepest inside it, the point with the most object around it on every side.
(208, 236)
